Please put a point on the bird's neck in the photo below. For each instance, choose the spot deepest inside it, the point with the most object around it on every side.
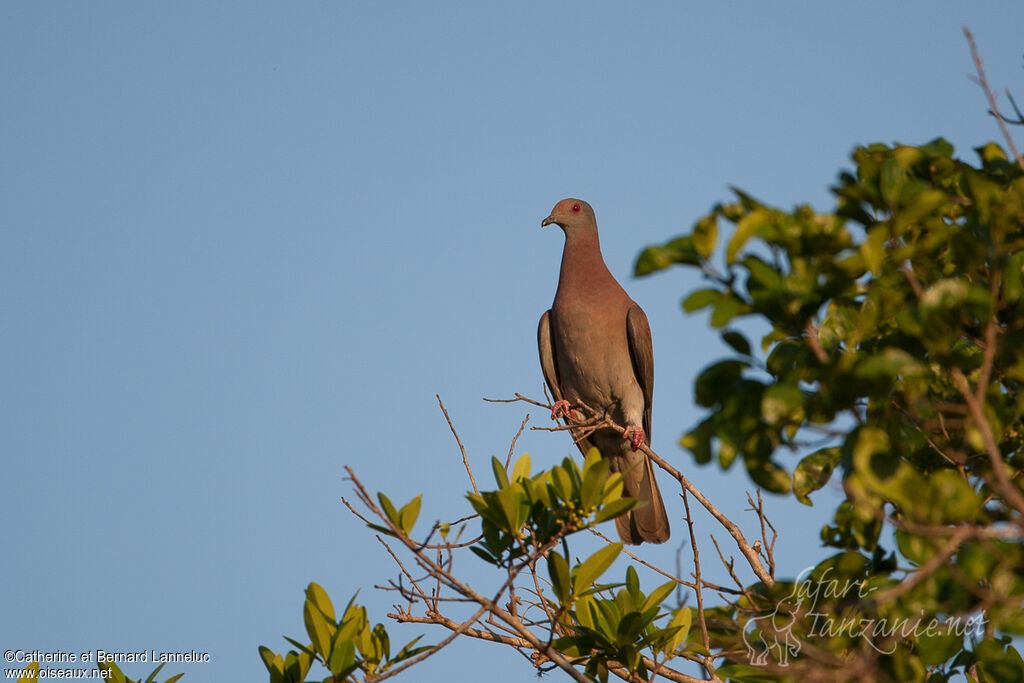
(582, 264)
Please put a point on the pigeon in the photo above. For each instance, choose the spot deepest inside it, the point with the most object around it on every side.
(595, 350)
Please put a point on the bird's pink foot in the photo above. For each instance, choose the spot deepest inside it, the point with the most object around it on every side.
(563, 408)
(635, 435)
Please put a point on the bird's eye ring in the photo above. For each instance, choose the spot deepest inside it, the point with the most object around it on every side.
(575, 208)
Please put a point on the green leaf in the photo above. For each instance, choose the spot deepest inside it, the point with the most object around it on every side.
(782, 402)
(594, 476)
(558, 570)
(562, 483)
(952, 497)
(705, 234)
(320, 630)
(702, 298)
(307, 649)
(917, 549)
(767, 474)
(389, 509)
(679, 251)
(615, 508)
(890, 363)
(681, 621)
(509, 509)
(274, 662)
(629, 628)
(727, 308)
(934, 649)
(484, 555)
(595, 566)
(318, 596)
(873, 249)
(737, 341)
(343, 659)
(500, 475)
(409, 650)
(521, 470)
(409, 513)
(892, 179)
(991, 152)
(762, 275)
(996, 664)
(746, 228)
(813, 472)
(658, 595)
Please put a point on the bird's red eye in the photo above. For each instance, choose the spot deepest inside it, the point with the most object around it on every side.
(575, 208)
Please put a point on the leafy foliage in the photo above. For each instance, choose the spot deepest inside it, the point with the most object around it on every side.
(343, 646)
(893, 362)
(890, 367)
(525, 513)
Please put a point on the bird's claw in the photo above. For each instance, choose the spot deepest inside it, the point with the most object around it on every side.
(563, 408)
(635, 435)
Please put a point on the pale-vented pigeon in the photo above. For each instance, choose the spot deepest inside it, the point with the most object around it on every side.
(595, 350)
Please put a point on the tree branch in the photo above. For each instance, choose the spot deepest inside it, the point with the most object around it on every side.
(993, 106)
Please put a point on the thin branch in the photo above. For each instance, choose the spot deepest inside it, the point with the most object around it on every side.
(993, 106)
(433, 650)
(462, 449)
(1016, 110)
(650, 566)
(911, 276)
(815, 343)
(926, 569)
(1002, 484)
(441, 620)
(708, 661)
(515, 438)
(419, 591)
(730, 565)
(768, 546)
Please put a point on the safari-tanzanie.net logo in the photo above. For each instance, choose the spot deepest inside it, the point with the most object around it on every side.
(809, 613)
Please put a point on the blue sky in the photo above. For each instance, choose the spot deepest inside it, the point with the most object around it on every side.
(243, 245)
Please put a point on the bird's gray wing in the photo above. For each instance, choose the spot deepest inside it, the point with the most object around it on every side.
(641, 352)
(549, 365)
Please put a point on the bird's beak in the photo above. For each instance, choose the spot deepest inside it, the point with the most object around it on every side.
(547, 221)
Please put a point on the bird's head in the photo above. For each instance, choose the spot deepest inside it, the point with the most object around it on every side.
(572, 215)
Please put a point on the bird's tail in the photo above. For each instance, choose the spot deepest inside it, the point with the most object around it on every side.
(648, 522)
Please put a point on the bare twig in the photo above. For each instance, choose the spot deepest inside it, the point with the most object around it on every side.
(462, 628)
(1016, 110)
(512, 448)
(462, 449)
(419, 591)
(729, 565)
(682, 582)
(768, 546)
(709, 663)
(990, 96)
